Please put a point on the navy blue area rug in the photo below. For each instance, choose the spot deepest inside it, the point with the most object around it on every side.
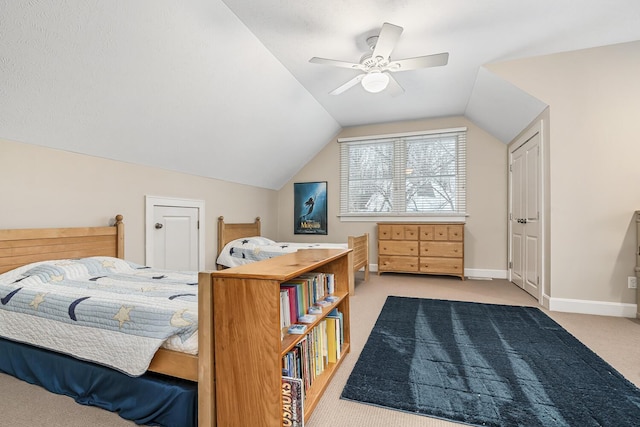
(487, 365)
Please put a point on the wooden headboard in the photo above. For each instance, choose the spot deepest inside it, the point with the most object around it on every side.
(236, 230)
(23, 246)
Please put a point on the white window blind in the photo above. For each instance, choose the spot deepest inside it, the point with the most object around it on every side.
(404, 174)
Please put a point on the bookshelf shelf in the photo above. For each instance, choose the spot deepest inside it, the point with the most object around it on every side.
(248, 345)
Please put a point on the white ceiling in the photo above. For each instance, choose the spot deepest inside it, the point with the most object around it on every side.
(225, 89)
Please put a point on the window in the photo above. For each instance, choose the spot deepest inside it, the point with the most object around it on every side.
(404, 174)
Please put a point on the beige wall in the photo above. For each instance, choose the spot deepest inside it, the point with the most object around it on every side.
(41, 187)
(594, 99)
(486, 229)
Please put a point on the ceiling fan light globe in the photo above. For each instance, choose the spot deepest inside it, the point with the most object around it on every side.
(375, 82)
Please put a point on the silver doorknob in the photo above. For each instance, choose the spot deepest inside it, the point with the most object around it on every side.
(158, 226)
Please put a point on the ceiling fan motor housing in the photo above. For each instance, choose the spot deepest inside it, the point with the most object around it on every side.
(369, 62)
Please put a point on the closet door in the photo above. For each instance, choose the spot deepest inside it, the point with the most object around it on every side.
(524, 217)
(176, 238)
(174, 234)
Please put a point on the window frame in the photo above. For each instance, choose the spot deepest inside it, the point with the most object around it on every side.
(429, 216)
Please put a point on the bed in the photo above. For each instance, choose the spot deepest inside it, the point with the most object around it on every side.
(246, 241)
(23, 247)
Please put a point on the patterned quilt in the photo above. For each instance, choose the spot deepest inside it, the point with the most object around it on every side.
(105, 310)
(251, 249)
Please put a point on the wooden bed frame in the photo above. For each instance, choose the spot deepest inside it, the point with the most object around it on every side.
(23, 246)
(358, 258)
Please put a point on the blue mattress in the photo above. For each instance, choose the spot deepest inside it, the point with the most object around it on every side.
(150, 399)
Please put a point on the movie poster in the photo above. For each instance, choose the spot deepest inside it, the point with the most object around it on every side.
(310, 207)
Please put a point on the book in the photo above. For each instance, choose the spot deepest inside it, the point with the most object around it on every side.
(332, 339)
(291, 291)
(331, 283)
(297, 329)
(285, 319)
(303, 293)
(315, 309)
(336, 314)
(292, 402)
(307, 318)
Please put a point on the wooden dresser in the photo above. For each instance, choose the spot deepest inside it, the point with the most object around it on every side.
(423, 248)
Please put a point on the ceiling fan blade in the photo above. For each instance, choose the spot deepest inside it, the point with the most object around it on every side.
(348, 85)
(436, 60)
(394, 87)
(387, 40)
(342, 64)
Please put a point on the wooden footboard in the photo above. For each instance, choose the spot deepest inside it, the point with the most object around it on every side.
(198, 368)
(360, 251)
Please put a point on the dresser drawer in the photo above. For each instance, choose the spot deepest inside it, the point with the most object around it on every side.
(426, 232)
(441, 249)
(384, 232)
(398, 263)
(456, 232)
(398, 232)
(443, 232)
(441, 265)
(392, 247)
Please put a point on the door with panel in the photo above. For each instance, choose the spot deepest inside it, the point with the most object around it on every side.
(525, 216)
(175, 238)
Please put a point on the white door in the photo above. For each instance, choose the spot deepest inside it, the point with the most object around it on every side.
(524, 217)
(175, 238)
(174, 233)
(517, 212)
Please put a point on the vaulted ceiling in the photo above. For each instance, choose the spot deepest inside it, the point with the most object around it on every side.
(224, 89)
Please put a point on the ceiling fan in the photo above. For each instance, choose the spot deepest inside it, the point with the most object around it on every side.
(377, 66)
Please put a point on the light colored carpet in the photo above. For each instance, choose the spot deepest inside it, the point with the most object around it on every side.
(616, 340)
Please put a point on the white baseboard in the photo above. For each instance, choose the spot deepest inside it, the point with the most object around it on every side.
(469, 272)
(485, 274)
(601, 308)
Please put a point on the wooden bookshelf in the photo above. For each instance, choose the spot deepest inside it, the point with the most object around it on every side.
(248, 344)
